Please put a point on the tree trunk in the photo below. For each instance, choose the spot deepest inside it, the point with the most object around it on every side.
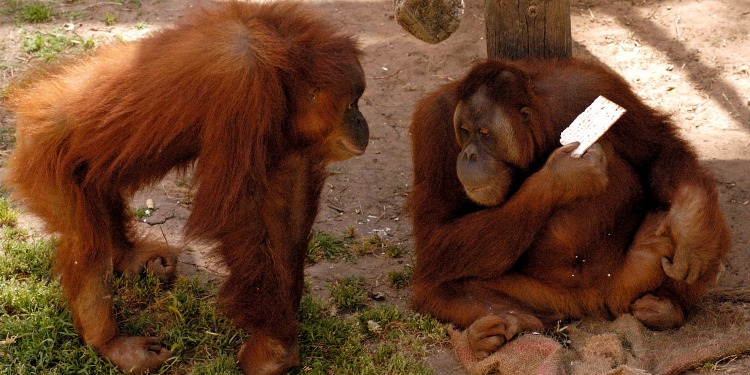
(528, 29)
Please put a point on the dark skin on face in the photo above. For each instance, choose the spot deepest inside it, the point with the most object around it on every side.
(351, 137)
(489, 156)
(491, 162)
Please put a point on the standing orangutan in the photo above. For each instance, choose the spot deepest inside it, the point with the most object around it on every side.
(512, 233)
(258, 97)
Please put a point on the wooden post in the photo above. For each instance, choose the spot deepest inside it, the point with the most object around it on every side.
(528, 29)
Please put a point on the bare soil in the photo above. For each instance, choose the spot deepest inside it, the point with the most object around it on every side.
(687, 57)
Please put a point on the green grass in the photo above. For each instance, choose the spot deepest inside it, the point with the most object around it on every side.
(75, 15)
(27, 11)
(324, 245)
(400, 279)
(349, 294)
(375, 340)
(49, 46)
(109, 19)
(343, 336)
(8, 216)
(39, 334)
(142, 212)
(35, 12)
(379, 246)
(7, 133)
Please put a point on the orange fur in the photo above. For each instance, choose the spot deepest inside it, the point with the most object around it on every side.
(647, 238)
(256, 96)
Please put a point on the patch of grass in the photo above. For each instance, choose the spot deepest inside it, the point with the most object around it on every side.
(49, 46)
(185, 317)
(8, 216)
(27, 296)
(349, 293)
(142, 212)
(5, 65)
(326, 340)
(109, 19)
(395, 251)
(223, 364)
(400, 336)
(378, 340)
(379, 246)
(26, 259)
(75, 15)
(35, 12)
(350, 233)
(324, 245)
(393, 323)
(7, 133)
(8, 7)
(400, 278)
(141, 25)
(37, 334)
(12, 233)
(21, 259)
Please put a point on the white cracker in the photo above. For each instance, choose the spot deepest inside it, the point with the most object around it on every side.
(591, 124)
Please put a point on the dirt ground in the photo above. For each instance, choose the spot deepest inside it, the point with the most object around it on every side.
(687, 57)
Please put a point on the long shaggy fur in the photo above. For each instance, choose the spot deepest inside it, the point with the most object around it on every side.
(227, 90)
(656, 229)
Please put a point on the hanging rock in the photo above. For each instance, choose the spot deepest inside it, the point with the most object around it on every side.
(431, 21)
